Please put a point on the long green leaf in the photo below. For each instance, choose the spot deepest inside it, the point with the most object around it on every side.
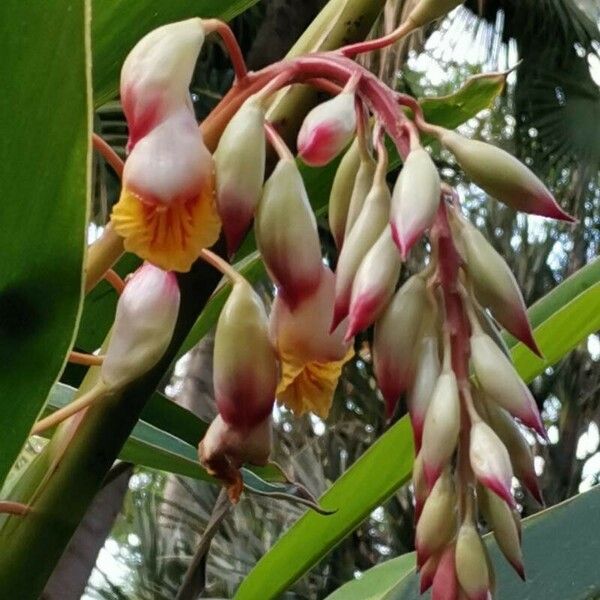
(280, 567)
(560, 547)
(44, 170)
(118, 24)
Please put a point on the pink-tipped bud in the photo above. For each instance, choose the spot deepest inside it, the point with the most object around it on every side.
(341, 193)
(442, 426)
(396, 334)
(369, 225)
(437, 524)
(471, 563)
(502, 384)
(490, 461)
(362, 184)
(445, 582)
(245, 367)
(495, 285)
(519, 450)
(240, 170)
(502, 176)
(427, 373)
(501, 521)
(427, 11)
(156, 75)
(415, 200)
(144, 323)
(490, 327)
(286, 233)
(327, 130)
(374, 283)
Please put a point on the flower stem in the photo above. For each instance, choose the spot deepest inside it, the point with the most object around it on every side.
(81, 358)
(233, 48)
(96, 393)
(109, 155)
(283, 152)
(114, 279)
(13, 508)
(378, 43)
(221, 265)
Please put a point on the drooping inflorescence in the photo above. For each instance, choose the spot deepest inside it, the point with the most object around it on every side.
(436, 340)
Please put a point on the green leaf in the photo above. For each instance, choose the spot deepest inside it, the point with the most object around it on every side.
(375, 583)
(477, 93)
(44, 160)
(387, 464)
(371, 480)
(118, 24)
(560, 549)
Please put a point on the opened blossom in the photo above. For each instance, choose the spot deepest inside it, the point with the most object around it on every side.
(166, 213)
(311, 357)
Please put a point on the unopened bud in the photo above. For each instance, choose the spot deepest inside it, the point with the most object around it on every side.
(427, 11)
(519, 450)
(442, 426)
(156, 75)
(144, 324)
(374, 283)
(471, 563)
(245, 368)
(490, 328)
(427, 372)
(415, 200)
(427, 573)
(341, 193)
(437, 523)
(327, 130)
(362, 184)
(495, 285)
(501, 383)
(396, 334)
(367, 229)
(501, 521)
(421, 490)
(490, 461)
(286, 233)
(502, 176)
(445, 582)
(240, 170)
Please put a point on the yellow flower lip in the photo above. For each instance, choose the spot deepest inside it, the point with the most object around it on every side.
(170, 236)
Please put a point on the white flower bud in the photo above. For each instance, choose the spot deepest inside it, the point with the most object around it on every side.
(471, 563)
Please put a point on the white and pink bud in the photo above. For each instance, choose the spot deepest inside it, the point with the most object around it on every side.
(445, 583)
(442, 426)
(395, 337)
(501, 521)
(421, 489)
(368, 227)
(426, 374)
(225, 448)
(327, 130)
(286, 234)
(362, 185)
(427, 573)
(156, 75)
(437, 523)
(245, 367)
(519, 450)
(490, 461)
(374, 283)
(502, 176)
(415, 200)
(495, 285)
(471, 563)
(144, 323)
(341, 193)
(240, 170)
(501, 383)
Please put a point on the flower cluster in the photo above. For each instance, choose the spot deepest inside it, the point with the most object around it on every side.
(436, 340)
